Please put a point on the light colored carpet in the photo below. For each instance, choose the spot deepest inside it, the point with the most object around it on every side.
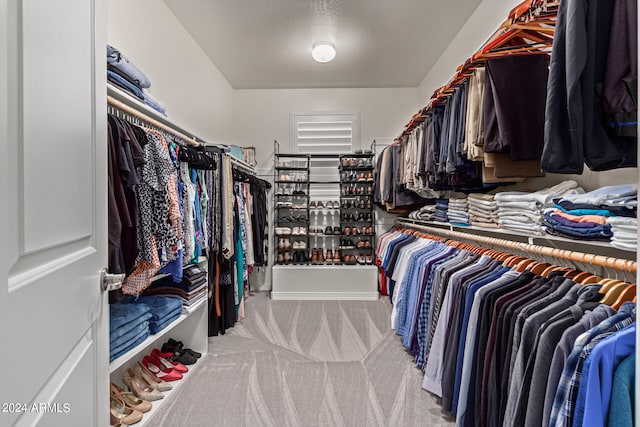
(306, 363)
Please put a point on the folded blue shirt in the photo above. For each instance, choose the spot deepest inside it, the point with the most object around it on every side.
(117, 60)
(125, 84)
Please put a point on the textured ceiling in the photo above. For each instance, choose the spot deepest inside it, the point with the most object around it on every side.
(267, 43)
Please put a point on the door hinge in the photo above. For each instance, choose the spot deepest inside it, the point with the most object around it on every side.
(110, 282)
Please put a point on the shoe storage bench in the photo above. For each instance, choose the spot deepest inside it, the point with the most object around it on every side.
(190, 328)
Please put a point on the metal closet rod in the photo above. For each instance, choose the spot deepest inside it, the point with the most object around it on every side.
(140, 115)
(581, 257)
(132, 111)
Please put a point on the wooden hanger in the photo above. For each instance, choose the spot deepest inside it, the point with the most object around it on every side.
(522, 265)
(628, 294)
(606, 287)
(539, 267)
(612, 294)
(578, 278)
(591, 279)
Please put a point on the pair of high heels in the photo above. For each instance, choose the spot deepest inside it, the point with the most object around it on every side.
(143, 384)
(126, 408)
(163, 367)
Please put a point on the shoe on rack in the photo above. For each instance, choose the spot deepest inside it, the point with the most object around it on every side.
(121, 414)
(302, 245)
(312, 204)
(370, 231)
(369, 204)
(369, 177)
(287, 257)
(167, 360)
(360, 217)
(287, 244)
(367, 244)
(151, 379)
(361, 259)
(336, 230)
(369, 217)
(303, 231)
(314, 255)
(129, 399)
(295, 258)
(320, 205)
(346, 231)
(280, 257)
(360, 244)
(329, 256)
(336, 256)
(363, 230)
(295, 245)
(173, 346)
(355, 231)
(320, 255)
(140, 387)
(328, 231)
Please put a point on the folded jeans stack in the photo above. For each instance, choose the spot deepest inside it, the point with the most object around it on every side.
(128, 327)
(124, 74)
(425, 213)
(591, 227)
(625, 232)
(524, 212)
(164, 309)
(442, 206)
(483, 210)
(459, 211)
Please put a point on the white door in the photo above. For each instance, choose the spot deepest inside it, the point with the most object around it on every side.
(53, 237)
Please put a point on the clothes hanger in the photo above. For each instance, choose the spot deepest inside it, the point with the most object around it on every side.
(628, 294)
(522, 265)
(612, 294)
(539, 267)
(591, 279)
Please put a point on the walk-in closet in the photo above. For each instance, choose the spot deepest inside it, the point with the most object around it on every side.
(319, 213)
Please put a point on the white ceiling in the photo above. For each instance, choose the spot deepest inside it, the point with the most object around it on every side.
(267, 43)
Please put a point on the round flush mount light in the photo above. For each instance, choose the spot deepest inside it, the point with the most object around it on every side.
(323, 51)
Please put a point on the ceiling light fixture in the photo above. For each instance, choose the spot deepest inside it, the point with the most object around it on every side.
(323, 51)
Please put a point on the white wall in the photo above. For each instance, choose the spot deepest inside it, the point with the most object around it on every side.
(197, 96)
(479, 27)
(262, 115)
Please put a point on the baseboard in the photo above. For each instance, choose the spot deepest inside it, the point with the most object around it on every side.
(326, 296)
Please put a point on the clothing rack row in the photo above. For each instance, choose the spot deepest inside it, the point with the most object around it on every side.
(528, 29)
(624, 265)
(138, 115)
(145, 118)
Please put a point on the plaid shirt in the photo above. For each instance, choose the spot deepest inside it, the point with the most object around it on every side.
(564, 402)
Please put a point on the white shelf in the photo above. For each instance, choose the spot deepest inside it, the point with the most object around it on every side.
(325, 282)
(168, 395)
(545, 240)
(120, 361)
